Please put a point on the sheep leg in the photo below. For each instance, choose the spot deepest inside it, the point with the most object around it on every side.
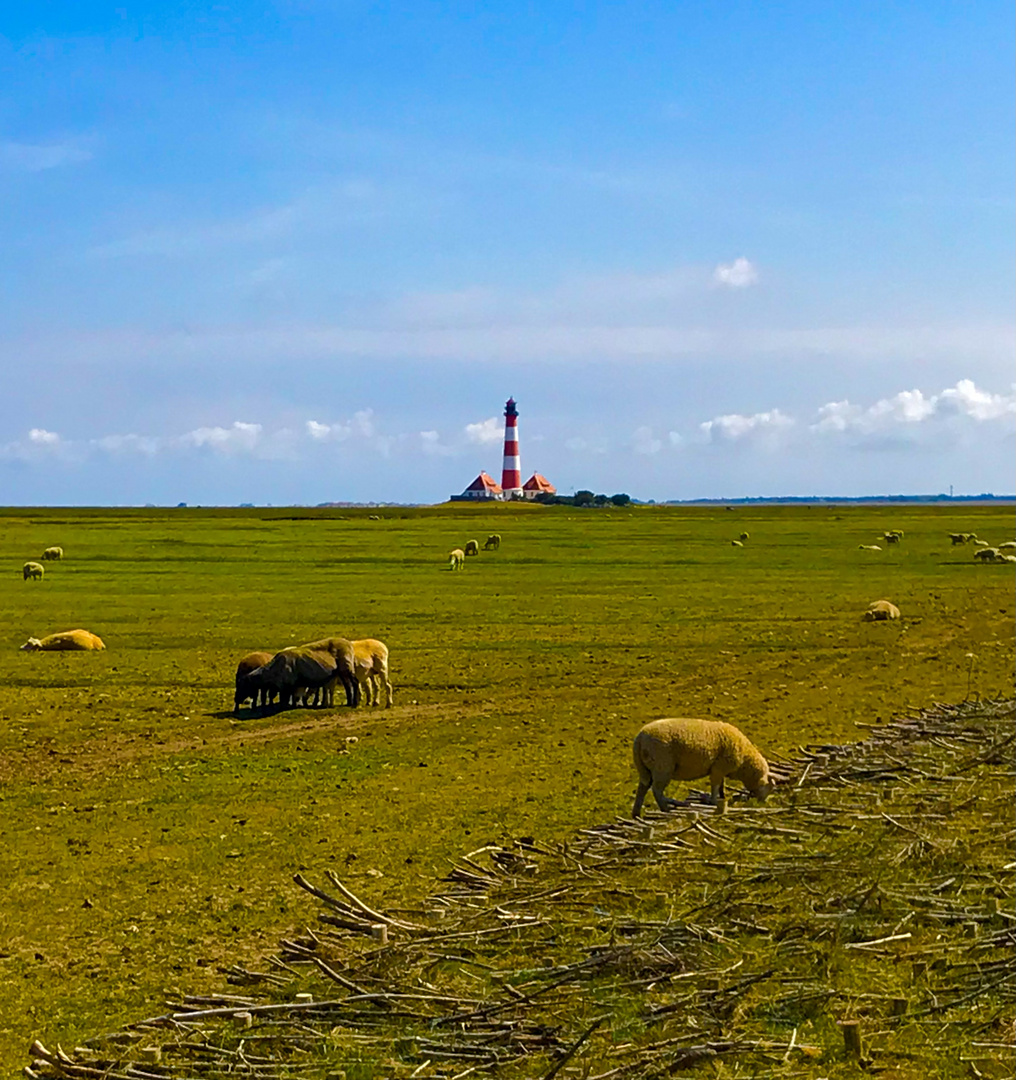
(388, 692)
(662, 801)
(718, 792)
(352, 688)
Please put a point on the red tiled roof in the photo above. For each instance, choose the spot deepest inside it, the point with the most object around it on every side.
(539, 483)
(485, 483)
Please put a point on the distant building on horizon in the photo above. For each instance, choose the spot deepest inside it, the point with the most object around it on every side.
(511, 486)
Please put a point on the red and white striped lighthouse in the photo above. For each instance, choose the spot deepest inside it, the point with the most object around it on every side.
(511, 471)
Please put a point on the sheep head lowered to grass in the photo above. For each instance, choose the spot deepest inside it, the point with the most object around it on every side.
(680, 748)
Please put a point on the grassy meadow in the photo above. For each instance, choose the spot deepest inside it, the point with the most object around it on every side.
(147, 837)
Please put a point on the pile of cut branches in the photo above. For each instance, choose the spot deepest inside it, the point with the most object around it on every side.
(863, 916)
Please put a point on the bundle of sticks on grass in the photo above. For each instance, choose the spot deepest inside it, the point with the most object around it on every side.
(864, 916)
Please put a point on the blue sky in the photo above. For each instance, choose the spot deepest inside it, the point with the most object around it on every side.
(300, 252)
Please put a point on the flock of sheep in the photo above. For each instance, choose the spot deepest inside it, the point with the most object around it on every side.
(457, 557)
(308, 674)
(674, 748)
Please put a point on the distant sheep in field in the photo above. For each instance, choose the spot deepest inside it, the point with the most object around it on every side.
(868, 547)
(744, 536)
(371, 663)
(456, 559)
(1006, 558)
(880, 610)
(250, 686)
(736, 543)
(1009, 545)
(988, 554)
(65, 641)
(472, 547)
(33, 570)
(893, 536)
(981, 543)
(53, 553)
(962, 538)
(687, 749)
(492, 542)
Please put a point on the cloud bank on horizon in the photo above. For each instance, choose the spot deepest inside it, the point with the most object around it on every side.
(711, 252)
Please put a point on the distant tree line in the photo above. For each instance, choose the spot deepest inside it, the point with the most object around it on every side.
(583, 498)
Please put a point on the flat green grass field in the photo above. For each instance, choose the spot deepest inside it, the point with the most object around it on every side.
(150, 838)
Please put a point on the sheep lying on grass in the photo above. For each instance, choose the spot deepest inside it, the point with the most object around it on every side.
(65, 641)
(472, 548)
(53, 553)
(33, 570)
(248, 685)
(688, 749)
(456, 559)
(371, 657)
(868, 547)
(736, 543)
(879, 610)
(492, 541)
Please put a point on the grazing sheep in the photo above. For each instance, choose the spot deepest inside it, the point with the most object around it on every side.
(736, 543)
(744, 536)
(65, 641)
(456, 559)
(988, 554)
(879, 610)
(1006, 558)
(962, 538)
(981, 543)
(33, 570)
(372, 670)
(53, 553)
(868, 547)
(893, 536)
(341, 650)
(686, 749)
(472, 548)
(293, 669)
(492, 542)
(1009, 545)
(248, 687)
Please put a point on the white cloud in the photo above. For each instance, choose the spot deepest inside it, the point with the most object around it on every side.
(240, 437)
(430, 443)
(485, 431)
(362, 425)
(644, 442)
(966, 399)
(734, 427)
(910, 410)
(142, 444)
(42, 437)
(736, 275)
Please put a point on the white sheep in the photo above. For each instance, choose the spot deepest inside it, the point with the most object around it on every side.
(371, 665)
(988, 554)
(868, 547)
(679, 748)
(1009, 545)
(33, 570)
(456, 559)
(893, 536)
(53, 553)
(65, 641)
(879, 610)
(743, 536)
(492, 541)
(736, 543)
(1006, 558)
(981, 543)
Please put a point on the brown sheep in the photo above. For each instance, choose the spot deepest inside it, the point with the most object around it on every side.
(246, 687)
(65, 641)
(679, 748)
(341, 651)
(492, 542)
